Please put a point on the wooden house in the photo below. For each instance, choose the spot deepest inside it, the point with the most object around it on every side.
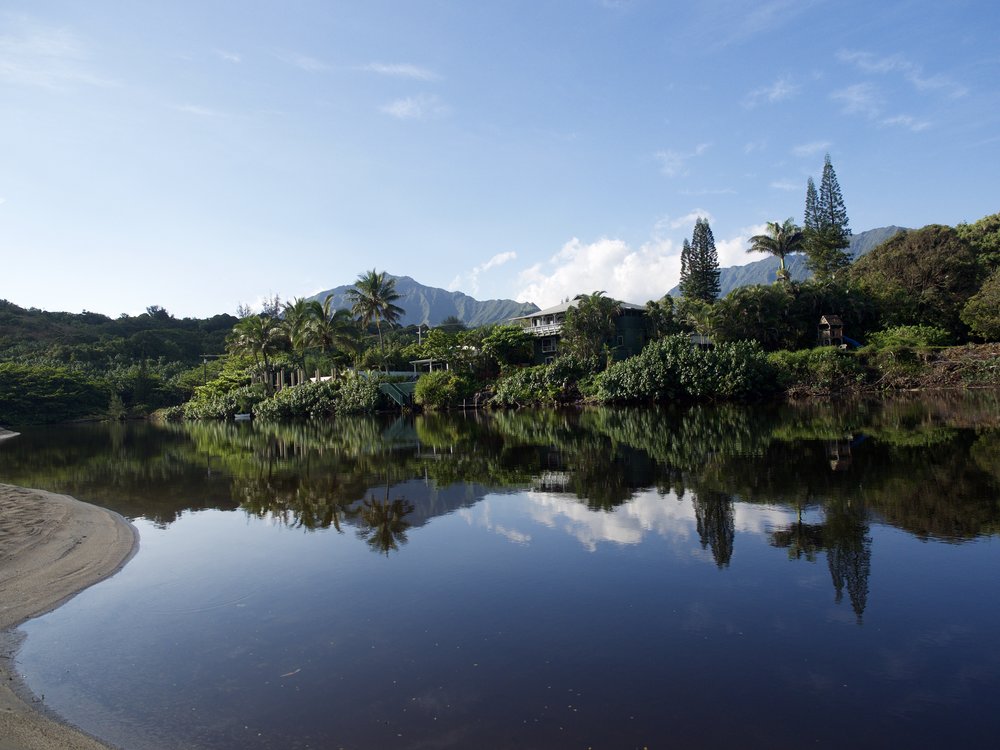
(546, 326)
(830, 331)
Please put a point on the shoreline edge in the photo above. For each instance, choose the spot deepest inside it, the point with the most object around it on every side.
(52, 547)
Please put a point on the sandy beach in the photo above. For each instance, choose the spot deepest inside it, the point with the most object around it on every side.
(51, 547)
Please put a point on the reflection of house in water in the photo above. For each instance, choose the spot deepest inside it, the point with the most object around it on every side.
(603, 476)
(551, 481)
(838, 452)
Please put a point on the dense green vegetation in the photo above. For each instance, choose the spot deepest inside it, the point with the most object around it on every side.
(903, 303)
(60, 366)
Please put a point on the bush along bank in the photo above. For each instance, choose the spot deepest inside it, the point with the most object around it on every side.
(671, 369)
(349, 393)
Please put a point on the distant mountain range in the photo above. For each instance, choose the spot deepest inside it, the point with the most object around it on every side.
(763, 271)
(430, 305)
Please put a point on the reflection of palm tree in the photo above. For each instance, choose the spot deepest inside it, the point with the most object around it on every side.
(382, 522)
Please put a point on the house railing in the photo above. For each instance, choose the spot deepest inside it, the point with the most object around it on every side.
(545, 330)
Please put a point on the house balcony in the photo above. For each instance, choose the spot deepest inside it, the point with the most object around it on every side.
(548, 329)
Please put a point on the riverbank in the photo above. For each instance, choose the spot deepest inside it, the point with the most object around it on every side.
(51, 548)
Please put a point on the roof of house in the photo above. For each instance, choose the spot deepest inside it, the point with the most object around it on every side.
(563, 307)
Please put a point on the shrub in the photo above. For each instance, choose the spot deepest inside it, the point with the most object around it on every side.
(168, 414)
(673, 369)
(527, 386)
(442, 389)
(358, 394)
(918, 336)
(824, 368)
(208, 405)
(982, 312)
(34, 394)
(300, 402)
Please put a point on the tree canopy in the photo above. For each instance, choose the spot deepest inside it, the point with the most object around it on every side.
(779, 240)
(373, 298)
(826, 233)
(921, 277)
(590, 324)
(700, 265)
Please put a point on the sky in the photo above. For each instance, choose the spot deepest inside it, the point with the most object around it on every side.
(203, 155)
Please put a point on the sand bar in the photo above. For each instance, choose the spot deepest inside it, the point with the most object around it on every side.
(51, 547)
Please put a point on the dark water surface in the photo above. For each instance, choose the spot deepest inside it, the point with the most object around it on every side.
(712, 577)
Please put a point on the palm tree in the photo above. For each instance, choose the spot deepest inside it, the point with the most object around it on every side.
(780, 240)
(298, 315)
(372, 298)
(332, 329)
(260, 336)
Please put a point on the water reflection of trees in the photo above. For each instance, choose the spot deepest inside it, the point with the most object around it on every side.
(844, 535)
(929, 466)
(715, 517)
(383, 522)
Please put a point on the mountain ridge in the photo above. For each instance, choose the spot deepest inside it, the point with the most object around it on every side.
(764, 271)
(430, 305)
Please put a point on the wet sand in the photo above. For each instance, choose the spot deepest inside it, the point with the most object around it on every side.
(51, 547)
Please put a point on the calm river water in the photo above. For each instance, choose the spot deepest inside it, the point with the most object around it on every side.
(708, 577)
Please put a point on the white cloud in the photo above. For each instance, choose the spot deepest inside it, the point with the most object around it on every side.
(785, 185)
(778, 91)
(906, 121)
(911, 71)
(418, 107)
(46, 57)
(627, 274)
(708, 191)
(753, 146)
(303, 62)
(470, 281)
(688, 219)
(647, 513)
(232, 57)
(498, 260)
(860, 98)
(195, 109)
(733, 251)
(402, 70)
(808, 149)
(735, 22)
(674, 163)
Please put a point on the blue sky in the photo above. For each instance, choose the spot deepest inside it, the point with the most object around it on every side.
(199, 155)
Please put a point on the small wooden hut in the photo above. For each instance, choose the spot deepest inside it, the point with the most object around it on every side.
(830, 331)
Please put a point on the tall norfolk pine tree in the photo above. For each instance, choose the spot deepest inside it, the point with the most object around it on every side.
(825, 229)
(700, 265)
